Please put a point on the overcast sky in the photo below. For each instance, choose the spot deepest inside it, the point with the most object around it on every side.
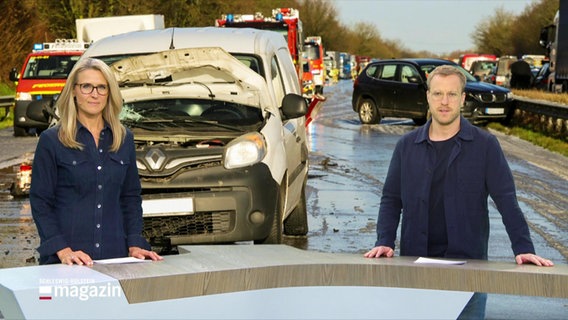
(438, 26)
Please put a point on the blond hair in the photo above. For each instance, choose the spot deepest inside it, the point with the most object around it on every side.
(447, 70)
(67, 106)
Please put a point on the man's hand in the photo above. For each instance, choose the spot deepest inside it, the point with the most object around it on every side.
(380, 251)
(140, 253)
(534, 259)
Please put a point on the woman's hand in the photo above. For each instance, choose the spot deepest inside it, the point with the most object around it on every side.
(69, 257)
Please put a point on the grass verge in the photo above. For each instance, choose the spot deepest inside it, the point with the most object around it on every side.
(8, 121)
(552, 144)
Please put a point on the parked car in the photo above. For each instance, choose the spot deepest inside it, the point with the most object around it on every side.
(503, 73)
(491, 76)
(481, 68)
(397, 88)
(218, 122)
(541, 80)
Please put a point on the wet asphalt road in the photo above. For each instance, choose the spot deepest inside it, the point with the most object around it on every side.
(348, 164)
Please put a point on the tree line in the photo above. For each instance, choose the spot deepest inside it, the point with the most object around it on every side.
(26, 22)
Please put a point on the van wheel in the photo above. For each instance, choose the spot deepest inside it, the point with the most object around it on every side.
(368, 112)
(275, 235)
(20, 132)
(297, 222)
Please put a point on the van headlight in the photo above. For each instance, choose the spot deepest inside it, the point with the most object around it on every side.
(245, 150)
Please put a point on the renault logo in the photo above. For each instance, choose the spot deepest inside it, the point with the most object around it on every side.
(155, 158)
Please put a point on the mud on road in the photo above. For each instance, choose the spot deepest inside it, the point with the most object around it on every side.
(18, 234)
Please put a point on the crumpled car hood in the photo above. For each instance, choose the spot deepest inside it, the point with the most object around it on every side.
(201, 73)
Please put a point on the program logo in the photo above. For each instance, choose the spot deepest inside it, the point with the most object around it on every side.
(81, 289)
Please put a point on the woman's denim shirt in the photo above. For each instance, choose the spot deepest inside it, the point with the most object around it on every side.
(86, 199)
(477, 168)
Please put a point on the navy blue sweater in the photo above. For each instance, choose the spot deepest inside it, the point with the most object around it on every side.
(477, 168)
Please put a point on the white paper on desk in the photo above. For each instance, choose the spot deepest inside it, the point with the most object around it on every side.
(437, 261)
(121, 260)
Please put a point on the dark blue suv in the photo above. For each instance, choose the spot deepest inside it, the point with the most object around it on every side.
(397, 88)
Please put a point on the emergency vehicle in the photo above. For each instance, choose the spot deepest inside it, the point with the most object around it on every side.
(314, 55)
(46, 68)
(42, 76)
(466, 60)
(285, 21)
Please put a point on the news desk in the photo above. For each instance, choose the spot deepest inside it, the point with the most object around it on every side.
(266, 282)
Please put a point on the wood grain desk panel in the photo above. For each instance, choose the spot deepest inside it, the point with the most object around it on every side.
(205, 270)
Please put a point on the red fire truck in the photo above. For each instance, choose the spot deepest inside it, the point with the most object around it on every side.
(45, 69)
(287, 22)
(42, 76)
(284, 20)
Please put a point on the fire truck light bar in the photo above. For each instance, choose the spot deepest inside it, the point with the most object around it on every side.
(279, 15)
(61, 45)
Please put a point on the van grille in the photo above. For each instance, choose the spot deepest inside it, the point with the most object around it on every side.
(200, 223)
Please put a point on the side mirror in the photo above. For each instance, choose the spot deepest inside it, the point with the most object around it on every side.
(13, 75)
(414, 79)
(35, 111)
(293, 106)
(42, 110)
(543, 39)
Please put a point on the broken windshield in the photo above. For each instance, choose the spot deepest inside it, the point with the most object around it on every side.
(189, 112)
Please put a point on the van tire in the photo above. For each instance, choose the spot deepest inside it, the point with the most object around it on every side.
(20, 132)
(275, 235)
(297, 222)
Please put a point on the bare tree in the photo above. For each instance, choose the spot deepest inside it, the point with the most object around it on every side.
(526, 28)
(20, 28)
(26, 22)
(493, 34)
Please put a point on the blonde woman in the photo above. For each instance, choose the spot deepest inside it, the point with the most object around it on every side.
(85, 192)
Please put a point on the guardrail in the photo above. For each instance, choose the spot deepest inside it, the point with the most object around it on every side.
(6, 102)
(548, 117)
(543, 116)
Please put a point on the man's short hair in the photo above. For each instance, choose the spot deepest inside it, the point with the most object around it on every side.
(444, 71)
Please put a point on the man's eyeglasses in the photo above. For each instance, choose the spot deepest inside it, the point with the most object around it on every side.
(438, 95)
(87, 88)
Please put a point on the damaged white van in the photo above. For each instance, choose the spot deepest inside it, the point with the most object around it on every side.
(219, 126)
